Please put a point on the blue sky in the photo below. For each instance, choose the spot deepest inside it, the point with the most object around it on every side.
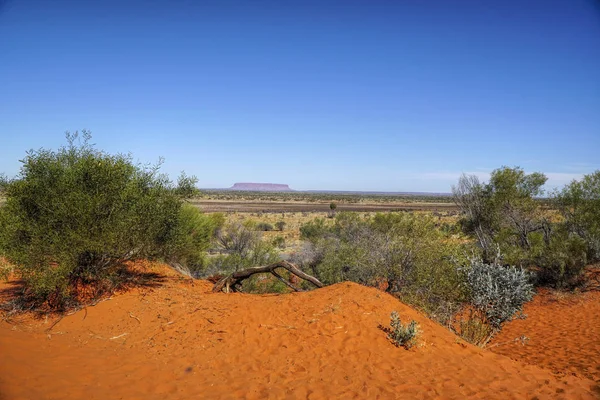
(339, 95)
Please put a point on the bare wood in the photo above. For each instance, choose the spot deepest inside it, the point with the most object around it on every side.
(229, 282)
(284, 281)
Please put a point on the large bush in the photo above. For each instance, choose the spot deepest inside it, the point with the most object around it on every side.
(402, 253)
(498, 292)
(190, 238)
(240, 247)
(579, 203)
(507, 217)
(75, 215)
(502, 214)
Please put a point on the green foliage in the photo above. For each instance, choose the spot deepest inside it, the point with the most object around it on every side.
(4, 181)
(313, 230)
(75, 215)
(332, 206)
(5, 269)
(279, 241)
(502, 213)
(190, 237)
(264, 226)
(498, 292)
(241, 247)
(265, 283)
(318, 197)
(401, 252)
(475, 330)
(506, 218)
(403, 335)
(280, 225)
(579, 203)
(562, 262)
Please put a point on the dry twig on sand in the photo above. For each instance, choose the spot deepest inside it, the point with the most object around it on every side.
(229, 282)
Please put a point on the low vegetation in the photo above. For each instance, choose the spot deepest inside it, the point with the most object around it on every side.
(74, 217)
(264, 226)
(506, 218)
(322, 197)
(496, 294)
(403, 335)
(402, 253)
(239, 247)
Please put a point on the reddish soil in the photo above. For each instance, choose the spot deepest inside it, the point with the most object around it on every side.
(179, 341)
(273, 206)
(562, 331)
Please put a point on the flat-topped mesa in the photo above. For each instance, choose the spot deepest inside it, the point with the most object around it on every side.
(261, 187)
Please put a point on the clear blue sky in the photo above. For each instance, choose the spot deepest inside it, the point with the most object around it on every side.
(342, 95)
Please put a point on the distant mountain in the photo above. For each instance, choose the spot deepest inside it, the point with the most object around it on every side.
(261, 187)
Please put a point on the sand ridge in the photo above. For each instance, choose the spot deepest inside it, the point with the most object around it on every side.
(562, 331)
(180, 341)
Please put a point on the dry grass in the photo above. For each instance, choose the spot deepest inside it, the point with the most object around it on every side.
(294, 220)
(6, 269)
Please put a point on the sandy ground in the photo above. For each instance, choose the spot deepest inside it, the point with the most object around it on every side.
(562, 331)
(179, 341)
(274, 206)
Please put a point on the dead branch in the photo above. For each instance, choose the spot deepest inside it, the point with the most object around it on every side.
(134, 317)
(229, 282)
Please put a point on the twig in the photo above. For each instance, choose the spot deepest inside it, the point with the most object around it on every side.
(285, 282)
(277, 326)
(134, 317)
(54, 324)
(116, 337)
(523, 339)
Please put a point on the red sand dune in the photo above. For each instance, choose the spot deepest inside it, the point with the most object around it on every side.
(180, 341)
(563, 334)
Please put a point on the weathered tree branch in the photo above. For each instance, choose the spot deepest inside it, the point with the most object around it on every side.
(229, 282)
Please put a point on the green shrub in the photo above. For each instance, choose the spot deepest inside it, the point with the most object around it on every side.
(5, 269)
(265, 283)
(241, 248)
(506, 216)
(264, 226)
(279, 241)
(498, 292)
(403, 335)
(280, 225)
(75, 215)
(475, 330)
(402, 253)
(313, 230)
(503, 212)
(579, 203)
(190, 238)
(562, 263)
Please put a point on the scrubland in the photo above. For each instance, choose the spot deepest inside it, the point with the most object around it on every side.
(109, 273)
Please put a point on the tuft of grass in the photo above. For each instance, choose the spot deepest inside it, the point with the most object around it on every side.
(6, 269)
(264, 226)
(403, 335)
(476, 331)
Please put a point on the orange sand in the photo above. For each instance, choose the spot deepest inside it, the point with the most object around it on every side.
(563, 332)
(180, 341)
